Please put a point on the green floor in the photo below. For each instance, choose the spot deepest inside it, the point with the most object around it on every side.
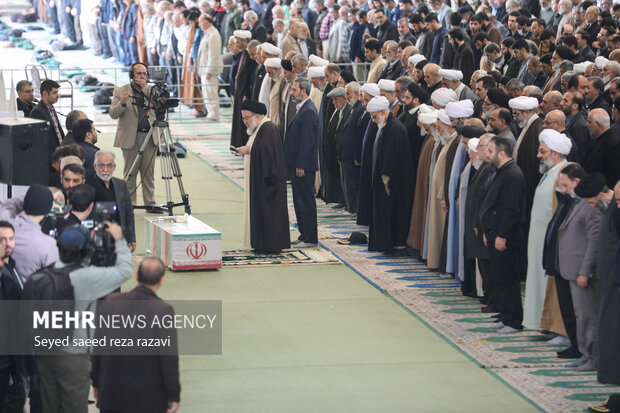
(313, 338)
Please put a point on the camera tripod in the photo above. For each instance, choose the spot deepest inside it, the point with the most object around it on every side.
(169, 165)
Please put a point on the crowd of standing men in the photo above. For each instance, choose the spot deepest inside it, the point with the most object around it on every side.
(483, 137)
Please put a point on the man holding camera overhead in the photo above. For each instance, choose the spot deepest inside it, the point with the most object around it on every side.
(134, 123)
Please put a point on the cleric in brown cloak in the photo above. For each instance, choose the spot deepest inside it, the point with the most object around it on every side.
(243, 87)
(266, 213)
(392, 181)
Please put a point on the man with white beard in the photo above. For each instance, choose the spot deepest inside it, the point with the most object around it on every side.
(319, 81)
(266, 213)
(610, 72)
(277, 90)
(111, 189)
(552, 151)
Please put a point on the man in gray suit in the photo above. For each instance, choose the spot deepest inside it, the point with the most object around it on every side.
(134, 124)
(578, 238)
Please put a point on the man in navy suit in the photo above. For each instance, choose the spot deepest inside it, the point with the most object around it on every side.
(301, 158)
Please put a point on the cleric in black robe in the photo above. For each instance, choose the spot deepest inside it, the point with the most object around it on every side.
(331, 184)
(266, 212)
(392, 181)
(243, 88)
(414, 97)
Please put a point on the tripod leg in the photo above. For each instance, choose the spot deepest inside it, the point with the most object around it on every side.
(165, 167)
(176, 169)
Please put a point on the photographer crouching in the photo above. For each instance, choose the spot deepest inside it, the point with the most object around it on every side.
(64, 379)
(134, 124)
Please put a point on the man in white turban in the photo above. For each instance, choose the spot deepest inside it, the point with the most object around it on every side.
(369, 91)
(452, 79)
(552, 151)
(460, 109)
(442, 96)
(392, 181)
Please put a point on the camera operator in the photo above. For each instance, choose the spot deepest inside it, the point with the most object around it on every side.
(65, 381)
(33, 249)
(134, 123)
(81, 199)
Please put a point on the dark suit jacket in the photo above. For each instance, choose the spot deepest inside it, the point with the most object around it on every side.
(40, 111)
(393, 72)
(426, 43)
(600, 103)
(68, 140)
(259, 32)
(604, 157)
(122, 199)
(578, 130)
(353, 134)
(387, 31)
(502, 204)
(302, 139)
(144, 383)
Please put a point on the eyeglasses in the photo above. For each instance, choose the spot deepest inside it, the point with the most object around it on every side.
(246, 118)
(106, 166)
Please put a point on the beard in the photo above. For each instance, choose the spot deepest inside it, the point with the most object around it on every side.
(105, 176)
(252, 127)
(522, 123)
(380, 121)
(445, 137)
(486, 114)
(545, 165)
(409, 107)
(555, 66)
(352, 101)
(606, 79)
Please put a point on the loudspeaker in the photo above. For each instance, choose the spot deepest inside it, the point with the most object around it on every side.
(24, 156)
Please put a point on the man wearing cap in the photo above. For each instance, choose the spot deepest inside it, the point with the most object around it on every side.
(331, 181)
(552, 151)
(301, 146)
(526, 148)
(33, 249)
(351, 139)
(243, 87)
(266, 213)
(364, 196)
(438, 206)
(451, 79)
(392, 182)
(500, 221)
(210, 64)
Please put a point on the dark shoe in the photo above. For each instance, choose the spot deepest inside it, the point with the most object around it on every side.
(611, 405)
(155, 209)
(338, 206)
(569, 353)
(488, 309)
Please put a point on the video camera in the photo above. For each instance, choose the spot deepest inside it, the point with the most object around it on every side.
(159, 96)
(104, 251)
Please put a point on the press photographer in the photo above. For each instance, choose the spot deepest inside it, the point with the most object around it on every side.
(134, 123)
(64, 379)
